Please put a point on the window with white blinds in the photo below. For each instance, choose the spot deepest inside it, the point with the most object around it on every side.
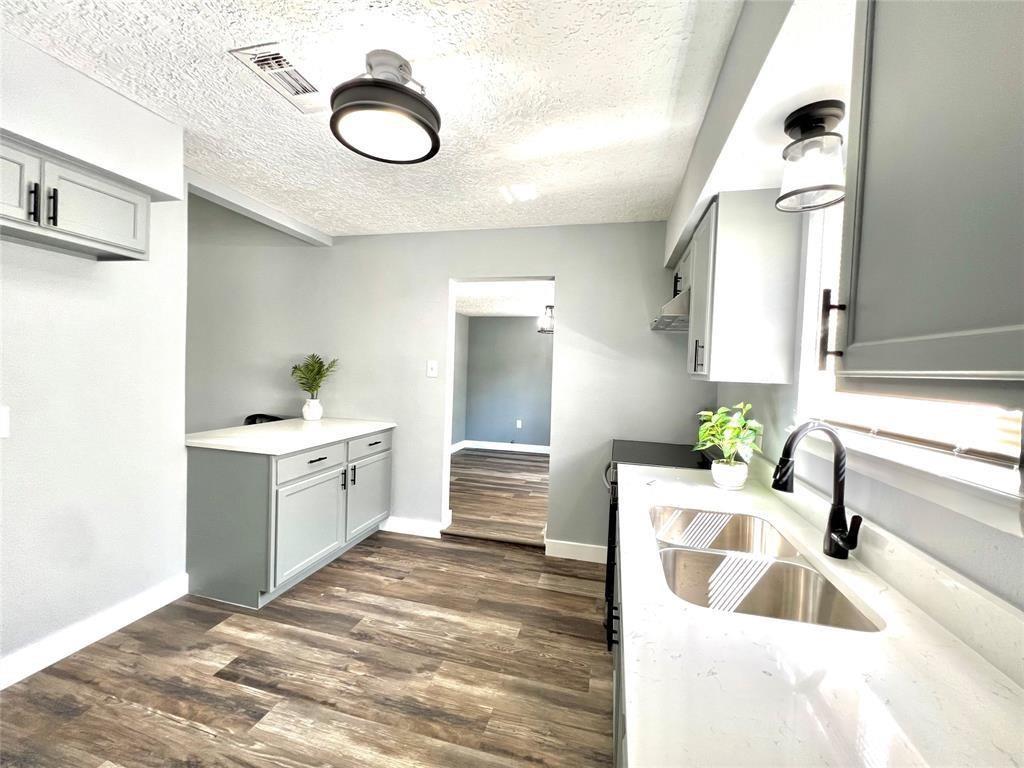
(980, 443)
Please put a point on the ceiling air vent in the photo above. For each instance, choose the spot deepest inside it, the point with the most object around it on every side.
(275, 69)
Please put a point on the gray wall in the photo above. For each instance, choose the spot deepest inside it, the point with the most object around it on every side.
(94, 470)
(460, 375)
(509, 378)
(257, 303)
(386, 302)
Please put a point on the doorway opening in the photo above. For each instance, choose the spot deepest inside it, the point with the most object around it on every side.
(500, 431)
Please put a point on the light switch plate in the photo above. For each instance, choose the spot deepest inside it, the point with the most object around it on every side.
(431, 369)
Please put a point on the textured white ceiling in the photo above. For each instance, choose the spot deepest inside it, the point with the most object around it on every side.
(504, 298)
(595, 103)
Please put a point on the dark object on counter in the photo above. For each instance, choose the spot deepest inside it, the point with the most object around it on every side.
(259, 418)
(839, 539)
(646, 454)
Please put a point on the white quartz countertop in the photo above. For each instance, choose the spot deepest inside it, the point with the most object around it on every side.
(278, 438)
(709, 688)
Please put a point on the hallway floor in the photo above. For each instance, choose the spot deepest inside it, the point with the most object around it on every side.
(499, 495)
(405, 652)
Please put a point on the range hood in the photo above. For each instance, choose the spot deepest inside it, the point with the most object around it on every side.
(674, 316)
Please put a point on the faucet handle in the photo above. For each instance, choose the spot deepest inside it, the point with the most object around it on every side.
(850, 540)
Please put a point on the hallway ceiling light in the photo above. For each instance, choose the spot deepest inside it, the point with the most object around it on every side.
(378, 116)
(546, 322)
(812, 176)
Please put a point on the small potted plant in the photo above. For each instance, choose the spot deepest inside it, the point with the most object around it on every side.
(737, 437)
(311, 374)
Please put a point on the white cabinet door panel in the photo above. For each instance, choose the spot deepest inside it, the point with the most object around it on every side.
(702, 247)
(310, 517)
(19, 172)
(95, 209)
(369, 493)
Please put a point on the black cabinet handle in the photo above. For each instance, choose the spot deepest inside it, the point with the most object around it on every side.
(353, 474)
(698, 363)
(344, 480)
(33, 203)
(375, 442)
(317, 461)
(51, 217)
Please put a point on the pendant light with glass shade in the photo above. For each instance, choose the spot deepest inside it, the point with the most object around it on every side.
(546, 322)
(377, 115)
(813, 175)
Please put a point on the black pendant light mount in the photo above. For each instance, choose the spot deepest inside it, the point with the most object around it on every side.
(814, 119)
(813, 175)
(378, 116)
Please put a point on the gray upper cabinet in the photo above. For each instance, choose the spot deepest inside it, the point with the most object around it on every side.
(369, 492)
(933, 242)
(54, 202)
(744, 261)
(19, 185)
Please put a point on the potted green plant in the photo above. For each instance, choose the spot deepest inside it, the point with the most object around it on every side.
(737, 437)
(311, 374)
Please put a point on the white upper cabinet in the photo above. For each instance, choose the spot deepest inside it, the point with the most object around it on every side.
(744, 271)
(933, 243)
(54, 202)
(82, 204)
(19, 185)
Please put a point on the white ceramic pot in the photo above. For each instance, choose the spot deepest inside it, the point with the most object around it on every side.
(312, 410)
(730, 476)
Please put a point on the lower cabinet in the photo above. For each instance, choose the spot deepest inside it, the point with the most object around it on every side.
(258, 524)
(369, 493)
(619, 751)
(310, 522)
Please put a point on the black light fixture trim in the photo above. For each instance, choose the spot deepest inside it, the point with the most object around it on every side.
(813, 120)
(361, 93)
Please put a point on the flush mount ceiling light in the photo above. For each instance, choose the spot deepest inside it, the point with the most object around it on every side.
(812, 176)
(377, 116)
(546, 322)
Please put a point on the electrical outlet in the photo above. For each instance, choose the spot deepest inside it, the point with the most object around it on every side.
(519, 423)
(431, 369)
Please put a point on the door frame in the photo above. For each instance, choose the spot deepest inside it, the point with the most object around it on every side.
(449, 387)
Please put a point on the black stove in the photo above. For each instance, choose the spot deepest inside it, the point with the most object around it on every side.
(679, 455)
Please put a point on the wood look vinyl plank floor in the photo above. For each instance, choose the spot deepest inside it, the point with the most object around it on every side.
(405, 652)
(499, 496)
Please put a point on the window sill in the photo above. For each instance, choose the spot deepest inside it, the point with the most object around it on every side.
(983, 493)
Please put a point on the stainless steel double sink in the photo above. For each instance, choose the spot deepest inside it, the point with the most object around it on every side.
(742, 564)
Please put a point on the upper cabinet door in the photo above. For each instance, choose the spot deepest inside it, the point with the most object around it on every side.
(92, 208)
(933, 245)
(702, 258)
(19, 177)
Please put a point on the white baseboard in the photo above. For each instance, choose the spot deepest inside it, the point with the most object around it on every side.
(49, 650)
(456, 447)
(572, 550)
(413, 526)
(512, 447)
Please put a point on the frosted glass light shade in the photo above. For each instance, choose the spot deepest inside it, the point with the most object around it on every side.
(546, 322)
(813, 175)
(385, 134)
